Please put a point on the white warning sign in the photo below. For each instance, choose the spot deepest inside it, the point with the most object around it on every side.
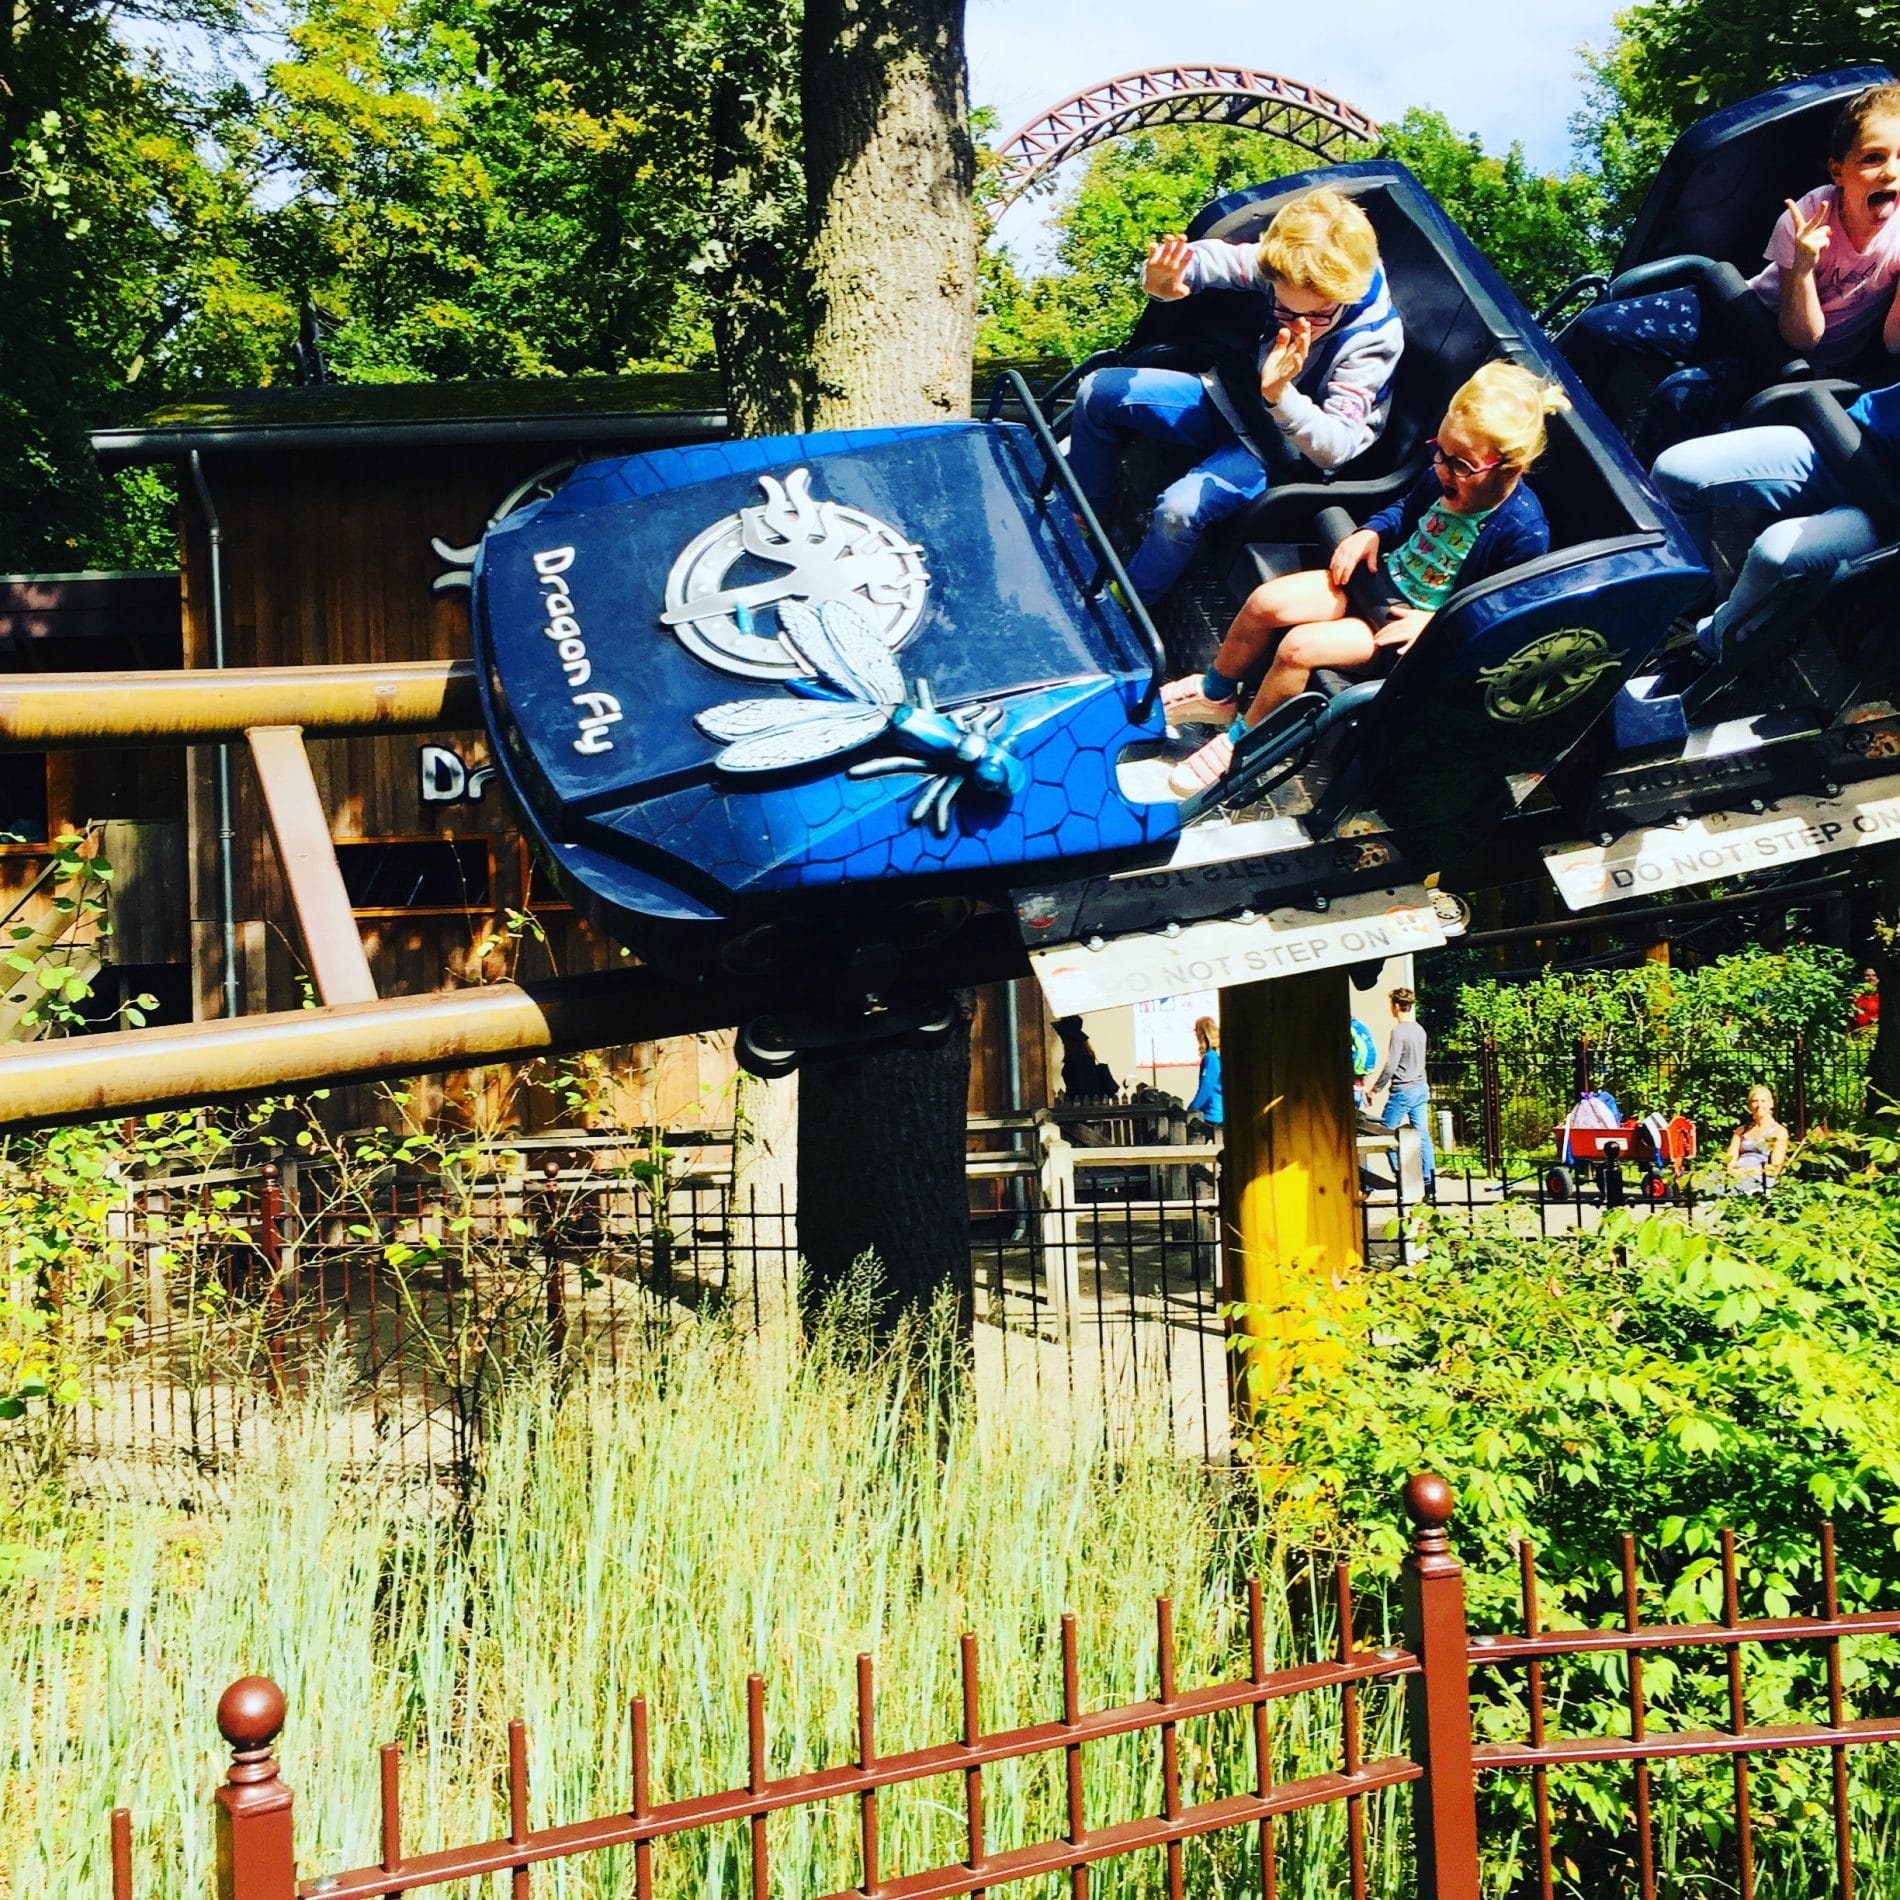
(1727, 844)
(1212, 956)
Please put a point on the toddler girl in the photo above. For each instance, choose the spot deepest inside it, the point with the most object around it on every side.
(1468, 516)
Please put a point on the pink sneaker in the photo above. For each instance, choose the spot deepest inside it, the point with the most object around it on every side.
(1184, 704)
(1201, 769)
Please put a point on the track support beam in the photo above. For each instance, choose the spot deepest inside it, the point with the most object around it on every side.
(1289, 1159)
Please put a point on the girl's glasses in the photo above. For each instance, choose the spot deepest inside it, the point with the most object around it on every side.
(1457, 464)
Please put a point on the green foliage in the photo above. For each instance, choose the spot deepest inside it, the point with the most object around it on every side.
(1694, 1040)
(115, 212)
(1679, 1380)
(459, 188)
(1539, 231)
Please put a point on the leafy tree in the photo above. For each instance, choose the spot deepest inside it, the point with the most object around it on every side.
(114, 207)
(1672, 61)
(1539, 231)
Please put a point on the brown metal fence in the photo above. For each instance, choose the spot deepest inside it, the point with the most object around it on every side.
(1443, 1762)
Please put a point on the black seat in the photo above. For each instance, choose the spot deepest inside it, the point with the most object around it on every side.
(1705, 221)
(1719, 191)
(1514, 669)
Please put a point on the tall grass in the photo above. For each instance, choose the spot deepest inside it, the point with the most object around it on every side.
(720, 1507)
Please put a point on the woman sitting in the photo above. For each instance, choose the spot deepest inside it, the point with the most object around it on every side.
(1758, 1149)
(1467, 517)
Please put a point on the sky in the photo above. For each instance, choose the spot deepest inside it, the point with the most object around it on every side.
(1504, 69)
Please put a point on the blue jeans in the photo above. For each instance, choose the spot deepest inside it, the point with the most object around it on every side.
(1699, 390)
(1771, 475)
(1169, 406)
(1410, 1102)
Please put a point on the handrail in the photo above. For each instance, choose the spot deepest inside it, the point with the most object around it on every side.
(1109, 571)
(92, 827)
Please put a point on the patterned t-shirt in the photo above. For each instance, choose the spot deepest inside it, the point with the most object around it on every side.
(1424, 567)
(1855, 288)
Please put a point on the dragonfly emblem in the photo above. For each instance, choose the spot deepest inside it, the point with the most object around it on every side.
(856, 694)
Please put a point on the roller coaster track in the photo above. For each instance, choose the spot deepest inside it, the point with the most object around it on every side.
(1239, 96)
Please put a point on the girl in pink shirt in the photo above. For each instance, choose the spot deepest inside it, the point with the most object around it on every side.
(1833, 266)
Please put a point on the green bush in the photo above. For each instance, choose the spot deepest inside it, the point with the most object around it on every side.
(1692, 1041)
(1677, 1380)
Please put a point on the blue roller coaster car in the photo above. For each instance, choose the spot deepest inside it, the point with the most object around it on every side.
(761, 698)
(803, 702)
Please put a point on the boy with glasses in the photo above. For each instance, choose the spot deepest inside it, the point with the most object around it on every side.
(1324, 367)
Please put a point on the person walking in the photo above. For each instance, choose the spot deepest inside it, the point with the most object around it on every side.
(1404, 1073)
(1206, 1105)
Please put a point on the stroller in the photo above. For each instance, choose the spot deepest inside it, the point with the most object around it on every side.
(1595, 1141)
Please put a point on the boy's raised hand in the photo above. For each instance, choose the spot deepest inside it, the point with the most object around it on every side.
(1165, 275)
(1285, 360)
(1810, 234)
(1356, 551)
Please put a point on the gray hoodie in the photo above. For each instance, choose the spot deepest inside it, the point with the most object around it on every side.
(1338, 406)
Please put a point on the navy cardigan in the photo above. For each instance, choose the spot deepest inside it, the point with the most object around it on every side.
(1516, 531)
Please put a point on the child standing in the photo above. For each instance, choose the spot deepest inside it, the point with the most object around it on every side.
(1833, 263)
(1324, 363)
(1469, 515)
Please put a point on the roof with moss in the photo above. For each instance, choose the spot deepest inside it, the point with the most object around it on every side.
(650, 408)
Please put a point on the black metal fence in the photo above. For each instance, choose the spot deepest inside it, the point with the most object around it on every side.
(1507, 1100)
(1094, 1269)
(411, 1297)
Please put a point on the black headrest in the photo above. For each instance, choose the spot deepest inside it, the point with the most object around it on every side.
(1721, 188)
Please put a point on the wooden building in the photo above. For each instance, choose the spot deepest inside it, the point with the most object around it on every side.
(334, 524)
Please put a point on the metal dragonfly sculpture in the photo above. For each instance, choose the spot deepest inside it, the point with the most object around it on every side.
(857, 695)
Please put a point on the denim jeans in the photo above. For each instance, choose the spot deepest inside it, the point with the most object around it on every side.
(1172, 407)
(1771, 475)
(1410, 1102)
(1660, 333)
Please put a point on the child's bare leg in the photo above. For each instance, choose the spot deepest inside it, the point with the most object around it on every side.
(1337, 643)
(1291, 600)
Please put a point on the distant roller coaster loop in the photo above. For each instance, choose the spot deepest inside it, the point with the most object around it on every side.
(1239, 96)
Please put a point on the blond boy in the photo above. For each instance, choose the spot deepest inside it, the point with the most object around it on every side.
(1325, 362)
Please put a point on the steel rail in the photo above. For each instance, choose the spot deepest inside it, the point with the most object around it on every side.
(153, 708)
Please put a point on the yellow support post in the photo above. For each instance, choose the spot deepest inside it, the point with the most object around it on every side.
(1289, 1160)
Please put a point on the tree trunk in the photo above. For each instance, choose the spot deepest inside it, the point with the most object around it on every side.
(880, 1171)
(1883, 1068)
(889, 169)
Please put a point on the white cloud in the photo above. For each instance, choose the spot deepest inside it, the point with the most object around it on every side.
(1505, 69)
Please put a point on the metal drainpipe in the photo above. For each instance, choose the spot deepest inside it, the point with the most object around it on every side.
(227, 889)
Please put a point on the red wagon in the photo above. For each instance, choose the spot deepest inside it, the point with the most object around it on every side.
(1661, 1147)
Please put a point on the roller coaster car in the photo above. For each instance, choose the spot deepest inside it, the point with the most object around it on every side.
(798, 703)
(1801, 695)
(1414, 770)
(1705, 221)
